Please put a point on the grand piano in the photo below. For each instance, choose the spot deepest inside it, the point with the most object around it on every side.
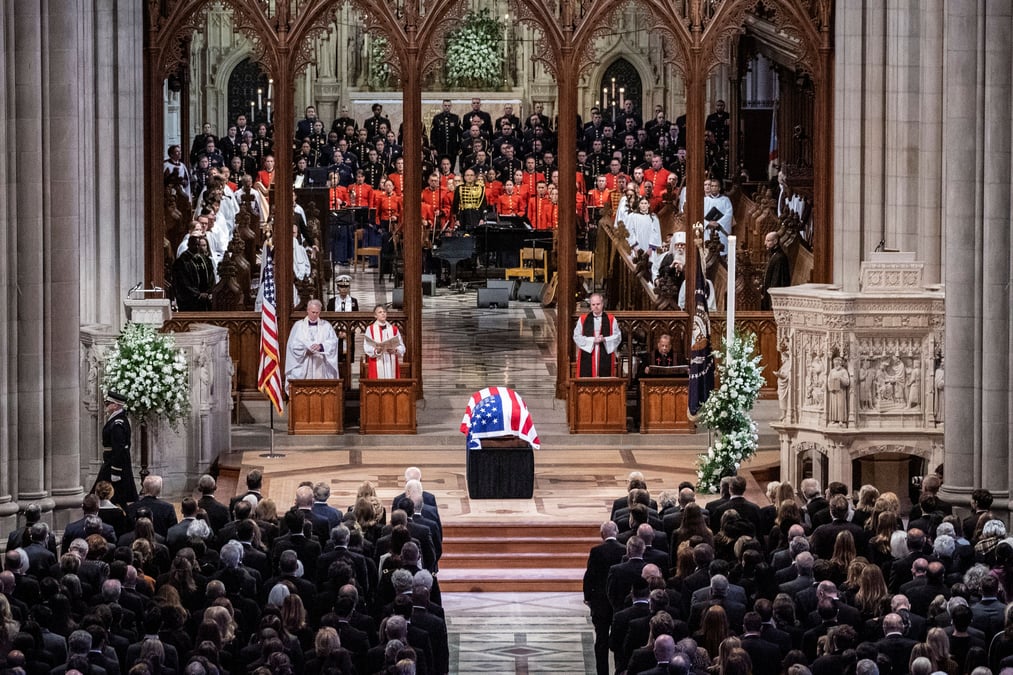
(499, 239)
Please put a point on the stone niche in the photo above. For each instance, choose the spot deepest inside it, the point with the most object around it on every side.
(860, 388)
(180, 456)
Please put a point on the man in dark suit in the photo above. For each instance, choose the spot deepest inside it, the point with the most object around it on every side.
(306, 548)
(176, 538)
(40, 558)
(766, 656)
(319, 525)
(420, 533)
(218, 513)
(79, 528)
(338, 550)
(672, 518)
(894, 646)
(846, 614)
(768, 631)
(622, 576)
(931, 585)
(635, 481)
(814, 500)
(901, 571)
(253, 557)
(746, 509)
(415, 473)
(321, 493)
(821, 515)
(622, 619)
(599, 561)
(163, 514)
(987, 615)
(735, 611)
(664, 652)
(823, 538)
(288, 571)
(981, 502)
(804, 566)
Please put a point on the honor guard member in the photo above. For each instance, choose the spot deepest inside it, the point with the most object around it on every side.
(116, 436)
(344, 302)
(340, 124)
(374, 170)
(469, 201)
(372, 125)
(445, 134)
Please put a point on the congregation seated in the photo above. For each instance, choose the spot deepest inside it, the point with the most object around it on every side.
(813, 582)
(240, 591)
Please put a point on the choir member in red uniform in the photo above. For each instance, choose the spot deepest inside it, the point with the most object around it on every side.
(360, 194)
(614, 175)
(657, 173)
(539, 208)
(597, 199)
(493, 187)
(510, 203)
(397, 177)
(531, 175)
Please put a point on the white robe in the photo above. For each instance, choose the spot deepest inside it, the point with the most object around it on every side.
(643, 231)
(724, 205)
(303, 364)
(301, 261)
(382, 366)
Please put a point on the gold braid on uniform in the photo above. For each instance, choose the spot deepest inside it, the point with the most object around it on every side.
(471, 197)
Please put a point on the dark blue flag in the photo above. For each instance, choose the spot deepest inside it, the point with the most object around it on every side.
(701, 361)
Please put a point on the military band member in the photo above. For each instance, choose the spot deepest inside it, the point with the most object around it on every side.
(445, 133)
(469, 201)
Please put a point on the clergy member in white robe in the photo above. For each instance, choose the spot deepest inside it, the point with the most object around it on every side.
(714, 200)
(312, 350)
(643, 229)
(383, 361)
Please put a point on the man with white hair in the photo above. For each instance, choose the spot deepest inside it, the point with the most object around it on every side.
(312, 349)
(163, 514)
(415, 473)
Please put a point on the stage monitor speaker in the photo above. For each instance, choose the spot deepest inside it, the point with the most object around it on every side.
(429, 284)
(397, 298)
(494, 298)
(509, 284)
(531, 291)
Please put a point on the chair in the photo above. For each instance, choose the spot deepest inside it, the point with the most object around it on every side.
(534, 264)
(364, 253)
(585, 266)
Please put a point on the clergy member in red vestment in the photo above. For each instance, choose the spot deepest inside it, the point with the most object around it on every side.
(597, 337)
(383, 361)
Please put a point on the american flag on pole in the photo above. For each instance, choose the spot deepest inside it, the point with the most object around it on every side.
(701, 361)
(269, 375)
(497, 411)
(772, 153)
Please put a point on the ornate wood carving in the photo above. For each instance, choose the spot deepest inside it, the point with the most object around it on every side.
(316, 407)
(597, 405)
(388, 406)
(664, 406)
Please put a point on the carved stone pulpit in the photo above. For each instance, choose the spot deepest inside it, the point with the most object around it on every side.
(860, 387)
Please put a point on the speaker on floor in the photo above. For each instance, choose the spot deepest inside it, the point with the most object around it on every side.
(494, 298)
(509, 284)
(397, 298)
(531, 291)
(429, 284)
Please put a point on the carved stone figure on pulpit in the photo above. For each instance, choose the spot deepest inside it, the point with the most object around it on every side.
(866, 385)
(816, 381)
(838, 384)
(784, 380)
(937, 387)
(914, 385)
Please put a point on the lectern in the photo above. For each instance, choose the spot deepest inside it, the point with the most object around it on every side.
(664, 405)
(316, 407)
(597, 405)
(387, 406)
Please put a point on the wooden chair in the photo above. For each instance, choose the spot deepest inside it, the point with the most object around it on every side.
(585, 266)
(534, 264)
(364, 253)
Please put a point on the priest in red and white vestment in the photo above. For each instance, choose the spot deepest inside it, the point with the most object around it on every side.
(383, 362)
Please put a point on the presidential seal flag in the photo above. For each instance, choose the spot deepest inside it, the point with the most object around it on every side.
(701, 361)
(269, 375)
(495, 412)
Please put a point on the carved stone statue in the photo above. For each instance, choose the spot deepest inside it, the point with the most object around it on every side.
(816, 381)
(784, 381)
(866, 385)
(914, 386)
(206, 363)
(937, 386)
(838, 384)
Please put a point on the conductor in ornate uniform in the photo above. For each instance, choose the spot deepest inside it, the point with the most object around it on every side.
(469, 201)
(116, 467)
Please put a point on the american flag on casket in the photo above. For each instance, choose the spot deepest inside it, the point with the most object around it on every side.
(495, 412)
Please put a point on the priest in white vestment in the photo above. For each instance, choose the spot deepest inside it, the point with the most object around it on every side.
(312, 350)
(383, 346)
(717, 211)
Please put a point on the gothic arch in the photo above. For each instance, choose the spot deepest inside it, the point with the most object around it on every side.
(651, 84)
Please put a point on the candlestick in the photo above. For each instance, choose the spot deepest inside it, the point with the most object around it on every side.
(613, 87)
(253, 112)
(260, 98)
(730, 298)
(622, 97)
(270, 88)
(268, 111)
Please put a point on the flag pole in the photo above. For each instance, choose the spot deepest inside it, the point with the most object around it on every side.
(730, 298)
(271, 454)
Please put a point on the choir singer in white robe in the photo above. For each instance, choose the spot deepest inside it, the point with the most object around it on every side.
(312, 350)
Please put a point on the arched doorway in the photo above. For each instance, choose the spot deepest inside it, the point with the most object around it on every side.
(245, 80)
(621, 74)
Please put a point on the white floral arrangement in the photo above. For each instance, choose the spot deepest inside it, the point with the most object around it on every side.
(474, 57)
(379, 64)
(727, 409)
(146, 368)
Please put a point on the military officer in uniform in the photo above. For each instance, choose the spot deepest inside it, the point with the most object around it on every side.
(445, 134)
(116, 460)
(469, 201)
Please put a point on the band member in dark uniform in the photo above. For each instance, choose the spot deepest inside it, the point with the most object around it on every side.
(116, 460)
(469, 201)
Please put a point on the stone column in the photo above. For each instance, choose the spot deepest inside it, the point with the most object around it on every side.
(8, 300)
(976, 165)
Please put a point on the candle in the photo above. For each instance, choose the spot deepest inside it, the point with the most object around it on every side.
(730, 298)
(622, 97)
(270, 88)
(260, 98)
(613, 87)
(268, 111)
(252, 112)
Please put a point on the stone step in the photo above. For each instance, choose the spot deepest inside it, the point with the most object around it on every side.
(521, 580)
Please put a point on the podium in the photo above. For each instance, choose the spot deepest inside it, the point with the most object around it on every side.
(664, 405)
(387, 406)
(316, 407)
(597, 405)
(501, 469)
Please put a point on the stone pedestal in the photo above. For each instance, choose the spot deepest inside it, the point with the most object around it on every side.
(860, 372)
(180, 456)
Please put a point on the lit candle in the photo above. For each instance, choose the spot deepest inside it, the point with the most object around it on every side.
(268, 111)
(613, 87)
(270, 88)
(622, 97)
(260, 98)
(253, 113)
(730, 298)
(597, 104)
